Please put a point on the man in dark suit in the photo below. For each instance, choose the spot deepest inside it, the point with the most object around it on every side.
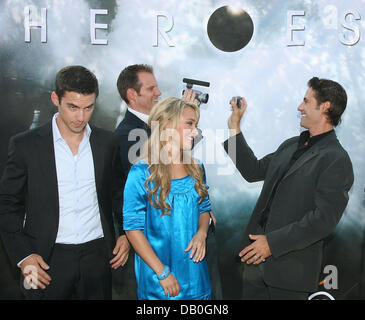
(138, 87)
(305, 191)
(61, 184)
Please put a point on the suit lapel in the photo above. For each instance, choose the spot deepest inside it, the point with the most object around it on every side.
(45, 151)
(136, 122)
(98, 147)
(98, 156)
(283, 161)
(311, 153)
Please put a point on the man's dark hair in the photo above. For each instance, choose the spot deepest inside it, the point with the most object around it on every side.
(128, 78)
(328, 90)
(77, 79)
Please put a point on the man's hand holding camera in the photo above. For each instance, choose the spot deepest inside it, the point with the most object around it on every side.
(189, 96)
(237, 114)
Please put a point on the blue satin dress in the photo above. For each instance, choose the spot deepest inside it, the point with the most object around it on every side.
(169, 235)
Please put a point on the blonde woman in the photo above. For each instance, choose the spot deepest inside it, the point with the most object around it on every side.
(166, 208)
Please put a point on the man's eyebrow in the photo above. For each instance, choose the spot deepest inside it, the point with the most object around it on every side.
(74, 105)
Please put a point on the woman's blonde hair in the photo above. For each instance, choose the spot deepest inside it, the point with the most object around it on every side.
(165, 116)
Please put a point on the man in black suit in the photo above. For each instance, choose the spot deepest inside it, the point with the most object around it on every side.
(61, 184)
(138, 87)
(305, 191)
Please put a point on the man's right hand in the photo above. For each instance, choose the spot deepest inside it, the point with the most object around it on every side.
(33, 271)
(236, 116)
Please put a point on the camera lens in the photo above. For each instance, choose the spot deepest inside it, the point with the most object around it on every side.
(203, 98)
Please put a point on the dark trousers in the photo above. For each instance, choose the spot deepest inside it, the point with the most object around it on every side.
(212, 261)
(254, 287)
(78, 272)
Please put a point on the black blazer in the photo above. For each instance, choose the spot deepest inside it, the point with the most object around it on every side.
(132, 143)
(308, 204)
(29, 187)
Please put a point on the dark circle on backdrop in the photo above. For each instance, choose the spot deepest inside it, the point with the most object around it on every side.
(230, 29)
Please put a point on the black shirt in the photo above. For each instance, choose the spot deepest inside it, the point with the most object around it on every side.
(304, 144)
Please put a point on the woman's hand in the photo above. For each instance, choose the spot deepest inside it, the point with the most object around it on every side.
(197, 246)
(170, 286)
(145, 251)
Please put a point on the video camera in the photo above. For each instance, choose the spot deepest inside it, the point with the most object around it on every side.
(201, 97)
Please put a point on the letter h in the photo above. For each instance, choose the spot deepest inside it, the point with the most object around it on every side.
(35, 23)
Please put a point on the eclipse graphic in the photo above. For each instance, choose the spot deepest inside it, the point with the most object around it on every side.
(230, 29)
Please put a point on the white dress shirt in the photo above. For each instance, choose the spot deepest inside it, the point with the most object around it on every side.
(79, 215)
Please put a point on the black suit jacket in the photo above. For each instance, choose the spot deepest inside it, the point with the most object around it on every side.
(132, 133)
(29, 187)
(308, 204)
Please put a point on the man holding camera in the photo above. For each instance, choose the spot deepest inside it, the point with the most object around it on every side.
(305, 191)
(138, 87)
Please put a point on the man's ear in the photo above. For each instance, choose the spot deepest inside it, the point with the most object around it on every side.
(325, 106)
(55, 100)
(131, 95)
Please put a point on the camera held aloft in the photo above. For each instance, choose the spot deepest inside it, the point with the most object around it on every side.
(201, 97)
